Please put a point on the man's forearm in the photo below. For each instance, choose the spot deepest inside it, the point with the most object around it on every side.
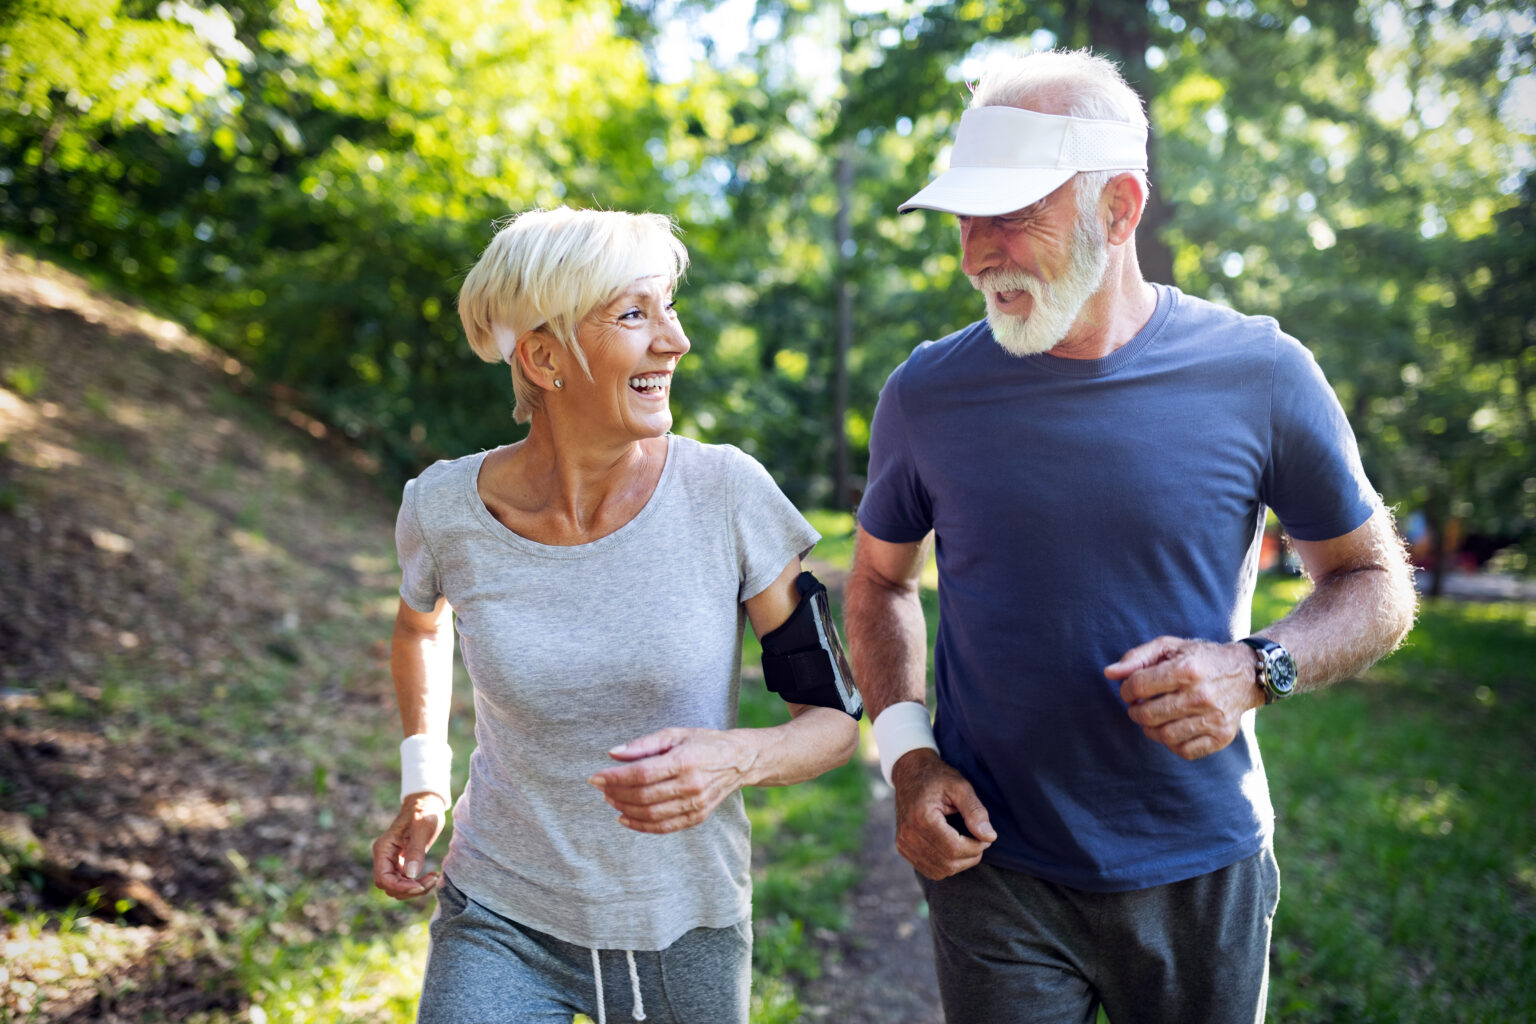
(1353, 617)
(888, 642)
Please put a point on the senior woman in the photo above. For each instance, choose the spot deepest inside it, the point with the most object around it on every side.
(598, 572)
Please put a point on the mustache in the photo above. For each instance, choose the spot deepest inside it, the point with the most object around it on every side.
(990, 281)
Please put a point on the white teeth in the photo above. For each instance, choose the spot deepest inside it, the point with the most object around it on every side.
(646, 383)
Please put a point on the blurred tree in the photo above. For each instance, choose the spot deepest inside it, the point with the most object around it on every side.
(1356, 172)
(306, 181)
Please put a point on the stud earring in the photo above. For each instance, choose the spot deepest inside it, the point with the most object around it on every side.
(559, 383)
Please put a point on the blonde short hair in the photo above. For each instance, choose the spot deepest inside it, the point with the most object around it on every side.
(547, 269)
(1089, 85)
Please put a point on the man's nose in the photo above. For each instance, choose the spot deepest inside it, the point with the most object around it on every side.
(979, 250)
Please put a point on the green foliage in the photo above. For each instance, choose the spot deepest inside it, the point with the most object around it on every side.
(1359, 177)
(306, 182)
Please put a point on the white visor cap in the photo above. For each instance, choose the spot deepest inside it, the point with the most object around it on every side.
(1006, 158)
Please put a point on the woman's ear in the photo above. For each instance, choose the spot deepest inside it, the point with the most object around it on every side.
(539, 357)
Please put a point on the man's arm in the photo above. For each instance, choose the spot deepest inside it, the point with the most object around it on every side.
(1190, 695)
(887, 636)
(1361, 606)
(888, 645)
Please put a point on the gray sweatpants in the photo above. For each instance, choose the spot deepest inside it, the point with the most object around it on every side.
(1011, 949)
(487, 969)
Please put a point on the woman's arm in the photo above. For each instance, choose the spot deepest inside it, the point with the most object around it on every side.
(675, 778)
(421, 662)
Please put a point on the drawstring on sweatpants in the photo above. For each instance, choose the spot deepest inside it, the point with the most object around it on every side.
(634, 987)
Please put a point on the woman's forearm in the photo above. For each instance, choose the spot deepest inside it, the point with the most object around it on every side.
(814, 741)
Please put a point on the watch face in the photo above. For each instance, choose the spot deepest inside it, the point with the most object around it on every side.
(1277, 669)
(1282, 671)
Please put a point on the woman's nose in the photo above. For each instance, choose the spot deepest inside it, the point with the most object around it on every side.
(671, 338)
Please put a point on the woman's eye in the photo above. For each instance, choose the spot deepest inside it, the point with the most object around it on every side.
(633, 314)
(672, 306)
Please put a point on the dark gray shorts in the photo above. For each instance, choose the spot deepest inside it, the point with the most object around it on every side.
(487, 969)
(1011, 949)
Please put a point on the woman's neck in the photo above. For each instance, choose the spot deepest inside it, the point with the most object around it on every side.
(560, 491)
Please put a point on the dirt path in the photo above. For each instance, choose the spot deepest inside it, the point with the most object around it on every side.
(881, 966)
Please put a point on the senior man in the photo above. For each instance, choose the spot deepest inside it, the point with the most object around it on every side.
(1093, 461)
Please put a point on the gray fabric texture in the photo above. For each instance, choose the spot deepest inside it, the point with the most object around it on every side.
(1012, 949)
(486, 969)
(576, 650)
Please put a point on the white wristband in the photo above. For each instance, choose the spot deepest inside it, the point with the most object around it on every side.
(901, 728)
(426, 767)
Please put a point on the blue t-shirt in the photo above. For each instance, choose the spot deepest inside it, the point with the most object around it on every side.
(1083, 507)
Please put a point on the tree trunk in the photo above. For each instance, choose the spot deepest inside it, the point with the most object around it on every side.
(1121, 30)
(840, 488)
(843, 239)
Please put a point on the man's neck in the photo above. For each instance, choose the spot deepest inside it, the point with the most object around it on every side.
(1114, 315)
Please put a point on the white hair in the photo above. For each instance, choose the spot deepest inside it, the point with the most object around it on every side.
(547, 269)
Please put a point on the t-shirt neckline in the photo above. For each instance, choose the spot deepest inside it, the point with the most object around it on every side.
(496, 528)
(1120, 357)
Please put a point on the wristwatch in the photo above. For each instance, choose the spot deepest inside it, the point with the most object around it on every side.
(1276, 669)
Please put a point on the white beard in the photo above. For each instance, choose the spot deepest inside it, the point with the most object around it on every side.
(1056, 304)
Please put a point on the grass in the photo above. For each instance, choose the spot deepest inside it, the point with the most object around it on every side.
(1407, 829)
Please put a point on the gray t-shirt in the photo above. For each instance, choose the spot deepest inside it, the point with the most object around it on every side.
(575, 650)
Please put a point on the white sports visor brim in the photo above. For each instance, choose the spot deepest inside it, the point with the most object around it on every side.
(1005, 158)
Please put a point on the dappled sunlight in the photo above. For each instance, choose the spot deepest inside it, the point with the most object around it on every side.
(289, 463)
(930, 577)
(1428, 808)
(53, 963)
(383, 608)
(253, 543)
(1525, 879)
(197, 811)
(21, 422)
(377, 571)
(46, 455)
(128, 414)
(111, 543)
(16, 415)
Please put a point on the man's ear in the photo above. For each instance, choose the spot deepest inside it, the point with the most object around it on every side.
(539, 356)
(1127, 200)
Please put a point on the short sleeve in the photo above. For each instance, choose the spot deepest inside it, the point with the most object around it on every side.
(419, 585)
(1315, 481)
(768, 530)
(896, 507)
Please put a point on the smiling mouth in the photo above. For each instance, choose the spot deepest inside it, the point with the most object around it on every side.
(653, 386)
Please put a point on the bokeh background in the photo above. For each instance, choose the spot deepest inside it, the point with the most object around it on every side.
(305, 183)
(231, 236)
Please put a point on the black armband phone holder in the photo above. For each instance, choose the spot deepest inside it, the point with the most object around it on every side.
(803, 659)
